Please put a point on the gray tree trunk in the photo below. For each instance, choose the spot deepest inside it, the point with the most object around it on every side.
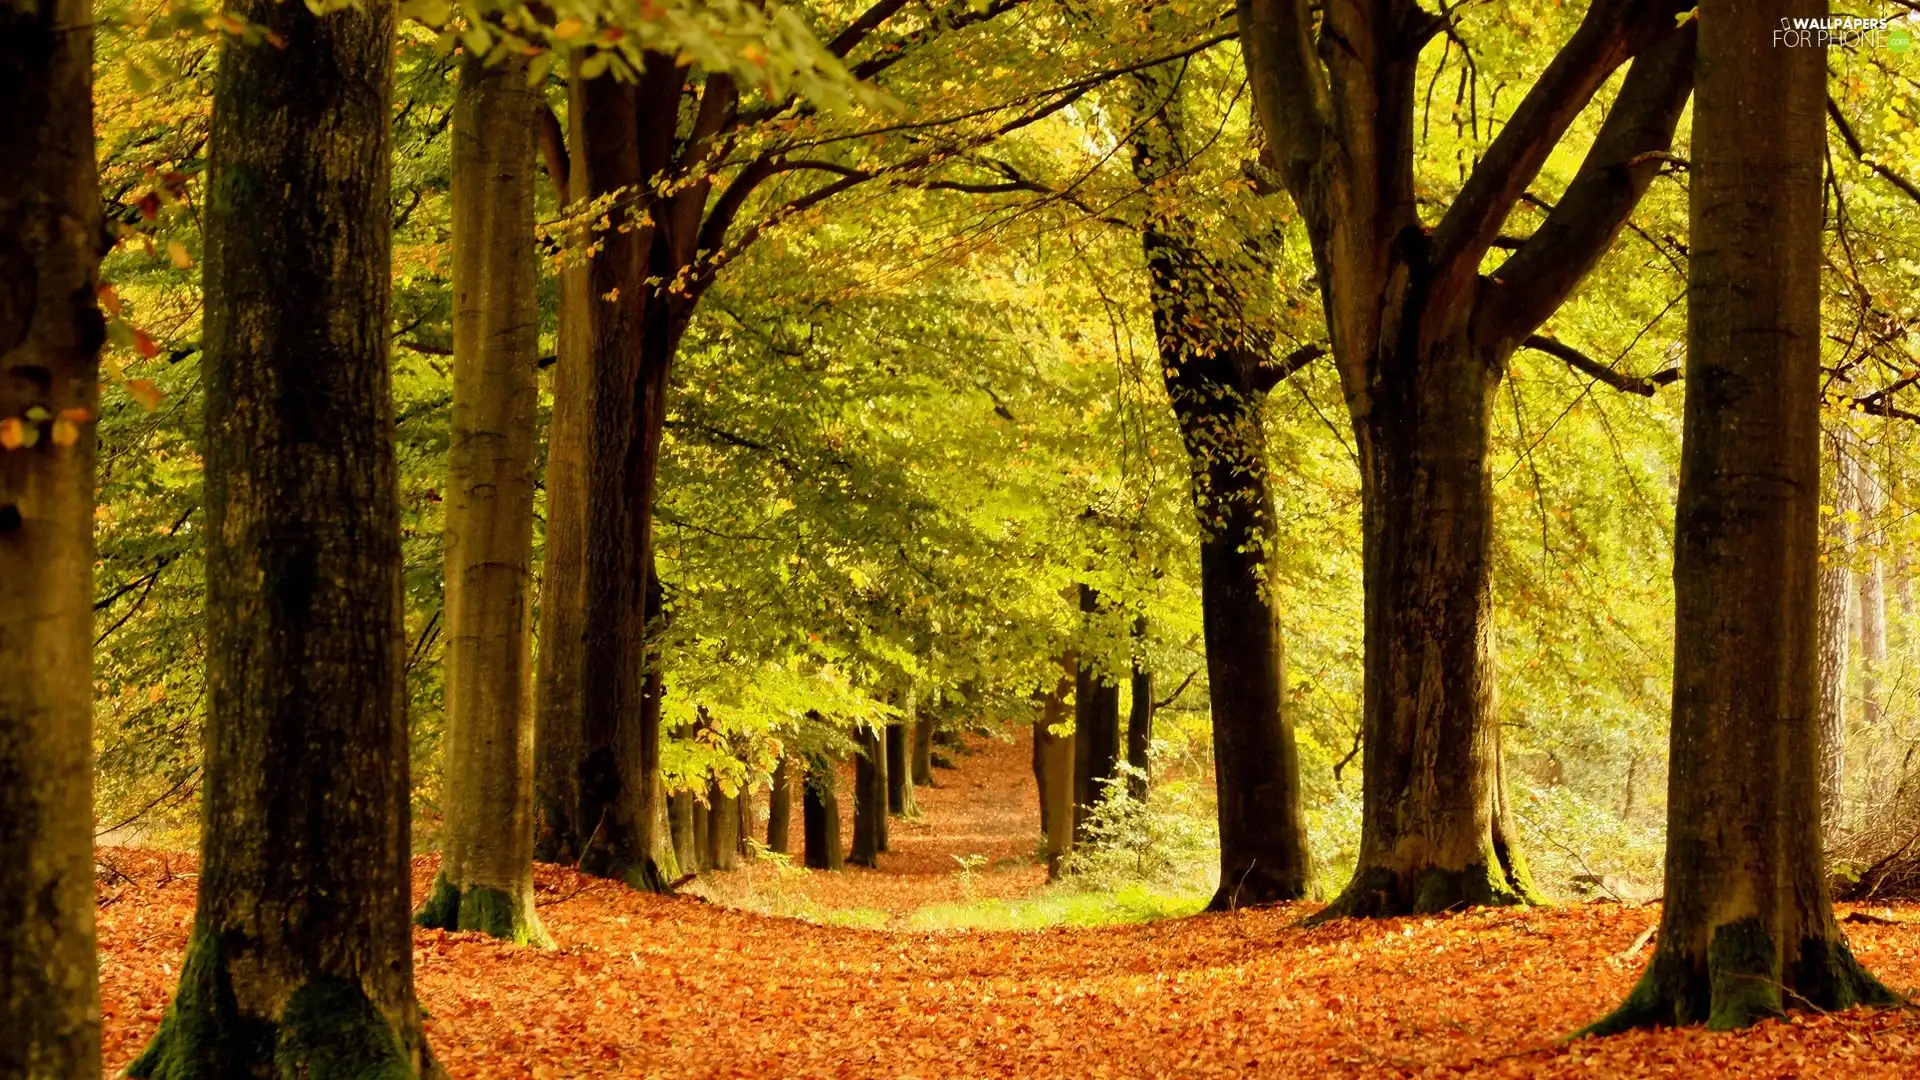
(1053, 769)
(300, 962)
(486, 872)
(50, 335)
(1835, 601)
(1747, 929)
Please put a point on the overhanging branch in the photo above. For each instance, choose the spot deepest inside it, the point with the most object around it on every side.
(1626, 383)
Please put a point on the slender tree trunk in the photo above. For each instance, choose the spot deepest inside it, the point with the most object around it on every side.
(1871, 501)
(923, 750)
(680, 827)
(1140, 719)
(1215, 383)
(702, 825)
(1746, 929)
(780, 806)
(50, 336)
(1835, 599)
(558, 748)
(870, 799)
(486, 873)
(900, 767)
(1053, 770)
(1096, 729)
(747, 826)
(723, 828)
(820, 815)
(300, 961)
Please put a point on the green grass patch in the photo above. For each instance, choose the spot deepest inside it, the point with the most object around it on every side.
(1059, 907)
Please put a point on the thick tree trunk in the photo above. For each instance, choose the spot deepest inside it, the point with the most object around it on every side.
(562, 629)
(723, 828)
(702, 825)
(50, 336)
(1835, 587)
(923, 751)
(631, 336)
(1140, 722)
(820, 815)
(1053, 771)
(1096, 730)
(780, 806)
(300, 962)
(486, 872)
(1432, 838)
(870, 799)
(1746, 929)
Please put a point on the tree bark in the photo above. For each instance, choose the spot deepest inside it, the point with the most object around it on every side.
(485, 881)
(1053, 759)
(702, 826)
(900, 799)
(686, 846)
(300, 961)
(631, 334)
(1872, 604)
(820, 814)
(780, 806)
(1140, 720)
(562, 632)
(1420, 338)
(1835, 642)
(1096, 729)
(870, 799)
(1215, 385)
(923, 750)
(50, 336)
(723, 828)
(1747, 928)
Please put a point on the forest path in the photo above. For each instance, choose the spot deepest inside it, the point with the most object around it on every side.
(645, 986)
(984, 811)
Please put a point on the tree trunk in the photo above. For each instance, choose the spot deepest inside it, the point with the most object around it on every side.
(50, 336)
(723, 828)
(923, 751)
(562, 631)
(680, 826)
(900, 768)
(1140, 719)
(300, 961)
(1871, 501)
(780, 806)
(631, 339)
(1096, 729)
(1747, 928)
(820, 814)
(747, 826)
(1053, 771)
(702, 825)
(869, 799)
(1835, 599)
(1432, 838)
(1215, 385)
(486, 871)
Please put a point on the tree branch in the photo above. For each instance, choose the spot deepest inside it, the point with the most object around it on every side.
(1609, 35)
(1586, 365)
(1290, 93)
(1624, 159)
(1852, 140)
(1269, 373)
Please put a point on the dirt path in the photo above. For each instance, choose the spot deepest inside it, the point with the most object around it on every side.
(985, 812)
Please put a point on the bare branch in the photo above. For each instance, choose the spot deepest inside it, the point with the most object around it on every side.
(1644, 385)
(1852, 140)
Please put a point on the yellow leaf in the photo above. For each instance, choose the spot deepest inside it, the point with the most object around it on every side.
(177, 251)
(12, 433)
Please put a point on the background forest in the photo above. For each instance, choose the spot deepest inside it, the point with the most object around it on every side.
(912, 419)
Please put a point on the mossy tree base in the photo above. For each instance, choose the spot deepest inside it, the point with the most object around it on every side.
(329, 1030)
(1377, 892)
(1743, 981)
(503, 913)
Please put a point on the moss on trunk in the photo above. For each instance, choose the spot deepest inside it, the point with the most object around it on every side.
(506, 914)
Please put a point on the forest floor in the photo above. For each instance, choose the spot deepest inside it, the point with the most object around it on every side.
(645, 986)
